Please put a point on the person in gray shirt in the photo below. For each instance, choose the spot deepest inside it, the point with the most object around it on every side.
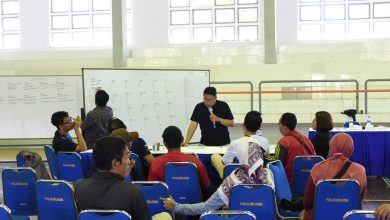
(95, 123)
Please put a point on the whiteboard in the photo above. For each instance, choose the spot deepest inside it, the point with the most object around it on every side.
(27, 103)
(148, 101)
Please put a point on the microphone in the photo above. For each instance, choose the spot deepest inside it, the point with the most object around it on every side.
(211, 112)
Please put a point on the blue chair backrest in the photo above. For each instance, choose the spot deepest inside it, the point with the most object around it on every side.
(282, 188)
(5, 212)
(55, 200)
(332, 201)
(359, 215)
(137, 173)
(51, 160)
(183, 181)
(229, 168)
(346, 124)
(256, 198)
(228, 215)
(69, 166)
(90, 214)
(301, 172)
(19, 160)
(19, 190)
(153, 192)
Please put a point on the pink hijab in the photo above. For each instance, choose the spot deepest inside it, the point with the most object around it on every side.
(340, 150)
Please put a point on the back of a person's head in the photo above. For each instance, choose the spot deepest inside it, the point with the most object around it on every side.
(210, 91)
(289, 120)
(121, 132)
(253, 121)
(101, 98)
(172, 137)
(115, 123)
(57, 118)
(324, 121)
(106, 150)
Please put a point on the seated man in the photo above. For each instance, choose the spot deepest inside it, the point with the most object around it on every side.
(252, 124)
(292, 144)
(106, 189)
(62, 140)
(173, 139)
(137, 146)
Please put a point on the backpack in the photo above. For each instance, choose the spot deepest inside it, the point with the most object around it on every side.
(34, 160)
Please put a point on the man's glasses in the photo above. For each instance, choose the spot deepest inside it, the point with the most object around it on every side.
(71, 120)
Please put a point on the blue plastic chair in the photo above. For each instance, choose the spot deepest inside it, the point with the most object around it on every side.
(332, 201)
(228, 215)
(359, 215)
(69, 166)
(19, 160)
(153, 192)
(302, 166)
(282, 188)
(55, 200)
(51, 160)
(19, 190)
(183, 181)
(256, 198)
(229, 168)
(5, 212)
(91, 214)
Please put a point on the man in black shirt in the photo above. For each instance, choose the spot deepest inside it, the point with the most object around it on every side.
(214, 117)
(62, 141)
(106, 188)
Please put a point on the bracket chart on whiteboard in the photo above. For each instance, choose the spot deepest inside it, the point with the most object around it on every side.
(148, 101)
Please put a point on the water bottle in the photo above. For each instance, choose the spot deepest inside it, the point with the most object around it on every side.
(369, 121)
(350, 122)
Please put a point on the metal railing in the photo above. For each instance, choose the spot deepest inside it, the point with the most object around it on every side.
(309, 81)
(366, 93)
(239, 82)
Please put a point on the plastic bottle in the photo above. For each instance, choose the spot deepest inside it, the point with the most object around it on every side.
(369, 121)
(350, 122)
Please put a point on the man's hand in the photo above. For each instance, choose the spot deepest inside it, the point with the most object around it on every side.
(383, 212)
(169, 203)
(132, 164)
(77, 122)
(214, 118)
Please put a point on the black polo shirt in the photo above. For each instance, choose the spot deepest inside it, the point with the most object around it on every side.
(211, 136)
(63, 143)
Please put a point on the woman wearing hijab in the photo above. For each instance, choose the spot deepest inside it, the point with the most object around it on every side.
(340, 150)
(323, 123)
(252, 172)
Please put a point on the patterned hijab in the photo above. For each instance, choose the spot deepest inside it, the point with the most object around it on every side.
(249, 154)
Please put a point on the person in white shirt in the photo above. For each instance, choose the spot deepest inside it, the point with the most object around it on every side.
(251, 127)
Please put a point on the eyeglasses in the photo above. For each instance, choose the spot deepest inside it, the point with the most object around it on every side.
(71, 120)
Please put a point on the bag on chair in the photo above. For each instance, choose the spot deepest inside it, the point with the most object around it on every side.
(34, 160)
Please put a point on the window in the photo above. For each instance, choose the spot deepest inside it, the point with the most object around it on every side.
(81, 23)
(206, 21)
(343, 19)
(10, 24)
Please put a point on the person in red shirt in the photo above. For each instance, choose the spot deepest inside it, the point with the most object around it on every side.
(173, 139)
(291, 145)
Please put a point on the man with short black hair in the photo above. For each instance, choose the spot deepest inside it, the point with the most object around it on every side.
(252, 133)
(106, 188)
(95, 123)
(214, 117)
(173, 140)
(292, 144)
(62, 140)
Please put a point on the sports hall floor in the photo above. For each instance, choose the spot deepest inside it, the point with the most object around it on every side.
(378, 190)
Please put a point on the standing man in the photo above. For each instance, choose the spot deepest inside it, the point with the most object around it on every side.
(292, 144)
(214, 117)
(95, 124)
(62, 140)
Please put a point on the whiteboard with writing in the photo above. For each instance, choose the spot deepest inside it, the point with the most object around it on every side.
(148, 101)
(27, 103)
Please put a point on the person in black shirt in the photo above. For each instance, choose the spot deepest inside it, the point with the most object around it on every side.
(323, 123)
(62, 140)
(214, 117)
